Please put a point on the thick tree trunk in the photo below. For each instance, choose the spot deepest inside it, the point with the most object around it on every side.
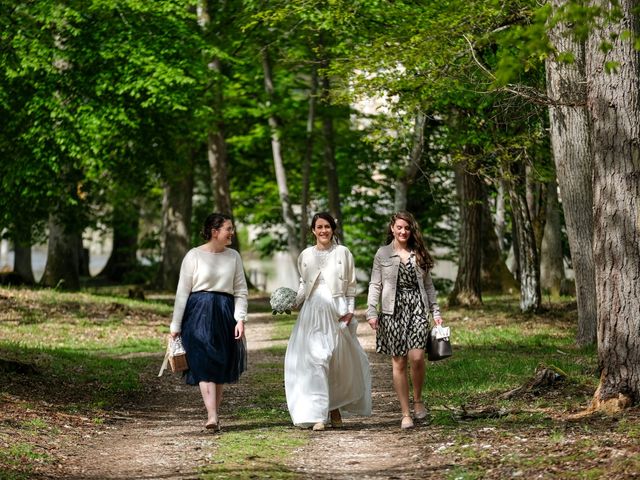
(308, 155)
(614, 110)
(216, 142)
(524, 238)
(410, 169)
(551, 257)
(176, 222)
(569, 132)
(278, 163)
(333, 186)
(466, 290)
(22, 263)
(500, 217)
(495, 277)
(61, 269)
(123, 259)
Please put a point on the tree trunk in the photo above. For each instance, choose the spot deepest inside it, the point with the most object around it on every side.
(614, 111)
(61, 269)
(216, 141)
(308, 155)
(333, 186)
(537, 204)
(22, 262)
(495, 277)
(123, 259)
(551, 257)
(410, 170)
(176, 222)
(524, 238)
(569, 132)
(278, 163)
(500, 214)
(466, 290)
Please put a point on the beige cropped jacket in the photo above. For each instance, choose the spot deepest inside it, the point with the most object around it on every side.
(384, 278)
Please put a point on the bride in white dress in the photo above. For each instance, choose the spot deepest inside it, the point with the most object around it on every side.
(326, 371)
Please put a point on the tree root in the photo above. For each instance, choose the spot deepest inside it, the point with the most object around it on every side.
(546, 377)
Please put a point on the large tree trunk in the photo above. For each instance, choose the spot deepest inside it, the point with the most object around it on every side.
(466, 290)
(500, 217)
(216, 142)
(308, 155)
(614, 110)
(409, 171)
(569, 131)
(524, 238)
(176, 222)
(278, 163)
(495, 277)
(551, 257)
(61, 269)
(123, 259)
(22, 262)
(333, 186)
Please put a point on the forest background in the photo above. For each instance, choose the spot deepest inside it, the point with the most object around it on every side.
(500, 124)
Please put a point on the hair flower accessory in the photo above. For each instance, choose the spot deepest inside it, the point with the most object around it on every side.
(282, 300)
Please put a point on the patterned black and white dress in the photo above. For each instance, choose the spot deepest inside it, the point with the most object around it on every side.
(408, 327)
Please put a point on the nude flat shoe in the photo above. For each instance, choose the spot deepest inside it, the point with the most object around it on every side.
(419, 411)
(318, 426)
(407, 422)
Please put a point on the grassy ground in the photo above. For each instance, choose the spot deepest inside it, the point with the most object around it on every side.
(80, 356)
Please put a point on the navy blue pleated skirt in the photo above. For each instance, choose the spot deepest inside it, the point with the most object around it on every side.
(208, 328)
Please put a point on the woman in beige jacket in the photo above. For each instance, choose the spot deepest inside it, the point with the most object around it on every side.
(401, 284)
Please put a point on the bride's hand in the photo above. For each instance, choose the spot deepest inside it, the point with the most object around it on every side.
(346, 318)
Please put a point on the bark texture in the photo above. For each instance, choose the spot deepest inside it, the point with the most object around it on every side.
(569, 132)
(123, 259)
(61, 269)
(409, 171)
(22, 263)
(331, 167)
(278, 163)
(176, 221)
(524, 238)
(614, 110)
(467, 290)
(551, 257)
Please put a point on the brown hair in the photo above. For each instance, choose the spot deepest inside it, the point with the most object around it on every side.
(415, 242)
(213, 222)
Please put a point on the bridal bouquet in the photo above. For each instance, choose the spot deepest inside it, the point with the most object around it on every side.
(282, 300)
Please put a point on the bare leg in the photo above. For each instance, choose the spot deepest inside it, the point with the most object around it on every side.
(219, 388)
(416, 362)
(401, 386)
(208, 391)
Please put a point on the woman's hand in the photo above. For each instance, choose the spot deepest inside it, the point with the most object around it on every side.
(239, 331)
(175, 334)
(438, 320)
(373, 323)
(346, 318)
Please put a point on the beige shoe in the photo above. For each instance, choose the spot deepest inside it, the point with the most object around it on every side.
(336, 418)
(318, 426)
(407, 422)
(419, 411)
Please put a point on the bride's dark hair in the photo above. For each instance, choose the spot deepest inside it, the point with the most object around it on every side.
(332, 223)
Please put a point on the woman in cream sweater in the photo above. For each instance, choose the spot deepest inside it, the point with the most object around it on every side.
(209, 313)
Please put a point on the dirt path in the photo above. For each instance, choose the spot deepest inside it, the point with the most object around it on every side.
(163, 437)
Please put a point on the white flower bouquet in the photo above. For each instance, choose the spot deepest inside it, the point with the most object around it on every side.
(282, 300)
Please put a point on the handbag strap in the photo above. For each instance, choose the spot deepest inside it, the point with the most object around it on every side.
(166, 358)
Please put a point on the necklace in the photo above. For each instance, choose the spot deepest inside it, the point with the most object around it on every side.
(322, 255)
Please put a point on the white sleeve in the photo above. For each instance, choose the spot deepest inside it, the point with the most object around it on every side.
(183, 291)
(240, 292)
(351, 304)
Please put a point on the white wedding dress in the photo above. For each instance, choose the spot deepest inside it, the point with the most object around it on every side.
(325, 366)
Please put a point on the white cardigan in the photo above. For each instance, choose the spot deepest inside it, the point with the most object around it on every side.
(339, 274)
(211, 272)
